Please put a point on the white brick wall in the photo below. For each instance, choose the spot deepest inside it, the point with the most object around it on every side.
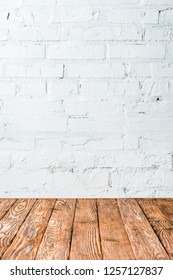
(86, 98)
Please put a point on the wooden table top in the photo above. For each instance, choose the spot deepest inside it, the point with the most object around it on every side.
(86, 229)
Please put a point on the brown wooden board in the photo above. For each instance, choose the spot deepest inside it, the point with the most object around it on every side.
(144, 242)
(5, 205)
(86, 240)
(159, 213)
(114, 239)
(10, 223)
(57, 239)
(28, 238)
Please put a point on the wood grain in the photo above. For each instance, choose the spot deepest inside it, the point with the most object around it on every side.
(10, 223)
(159, 213)
(114, 239)
(86, 240)
(5, 205)
(144, 242)
(57, 239)
(28, 238)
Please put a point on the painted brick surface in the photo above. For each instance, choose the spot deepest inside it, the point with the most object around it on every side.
(86, 98)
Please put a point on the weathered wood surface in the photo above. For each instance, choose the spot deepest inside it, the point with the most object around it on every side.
(86, 229)
(11, 222)
(86, 239)
(57, 238)
(5, 205)
(29, 236)
(160, 215)
(114, 239)
(144, 242)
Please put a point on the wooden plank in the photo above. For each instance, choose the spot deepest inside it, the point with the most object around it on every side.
(144, 241)
(29, 236)
(5, 205)
(160, 215)
(114, 239)
(57, 239)
(11, 222)
(86, 240)
(166, 206)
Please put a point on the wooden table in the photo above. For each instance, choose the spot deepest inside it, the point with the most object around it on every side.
(86, 229)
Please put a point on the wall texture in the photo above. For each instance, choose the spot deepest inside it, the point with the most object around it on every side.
(86, 98)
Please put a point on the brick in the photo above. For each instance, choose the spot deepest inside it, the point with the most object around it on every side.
(94, 91)
(35, 51)
(110, 33)
(137, 51)
(101, 33)
(102, 144)
(15, 70)
(73, 14)
(157, 2)
(59, 33)
(153, 88)
(31, 107)
(131, 142)
(38, 16)
(3, 16)
(95, 2)
(1, 70)
(17, 144)
(159, 33)
(32, 89)
(7, 89)
(4, 160)
(131, 16)
(139, 70)
(40, 2)
(166, 17)
(12, 52)
(127, 33)
(124, 88)
(65, 51)
(93, 125)
(84, 108)
(79, 125)
(14, 4)
(55, 71)
(139, 179)
(49, 144)
(33, 70)
(162, 70)
(24, 34)
(23, 181)
(63, 89)
(50, 123)
(37, 33)
(101, 70)
(3, 34)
